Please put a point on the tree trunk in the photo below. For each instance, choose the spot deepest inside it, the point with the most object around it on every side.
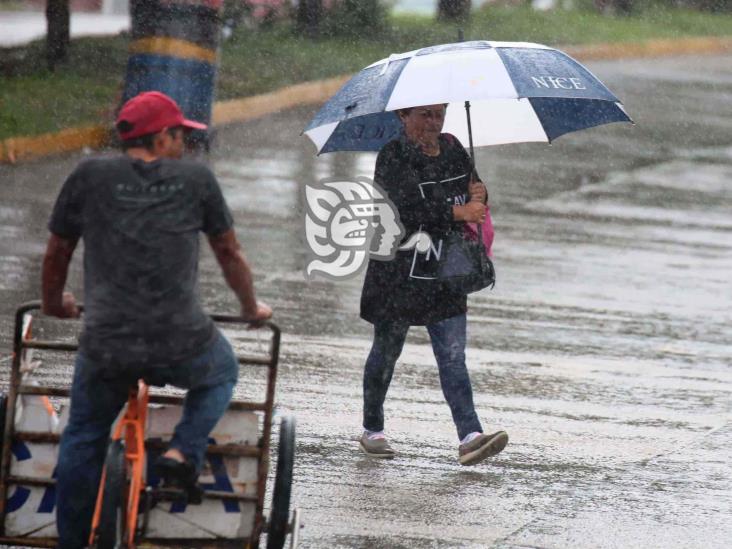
(620, 7)
(453, 10)
(58, 35)
(716, 6)
(624, 6)
(309, 14)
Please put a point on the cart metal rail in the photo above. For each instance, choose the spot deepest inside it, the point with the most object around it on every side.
(260, 451)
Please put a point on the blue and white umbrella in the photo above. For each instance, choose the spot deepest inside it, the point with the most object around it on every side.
(517, 92)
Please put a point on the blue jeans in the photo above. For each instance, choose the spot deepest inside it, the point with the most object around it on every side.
(448, 344)
(95, 403)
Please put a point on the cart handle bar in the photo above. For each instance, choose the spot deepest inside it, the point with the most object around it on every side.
(22, 310)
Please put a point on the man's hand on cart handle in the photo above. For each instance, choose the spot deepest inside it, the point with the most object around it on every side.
(67, 308)
(238, 276)
(258, 317)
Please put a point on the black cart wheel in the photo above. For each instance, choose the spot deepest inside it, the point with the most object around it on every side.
(280, 514)
(112, 518)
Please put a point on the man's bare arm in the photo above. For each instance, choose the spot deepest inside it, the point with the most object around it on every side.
(56, 262)
(238, 275)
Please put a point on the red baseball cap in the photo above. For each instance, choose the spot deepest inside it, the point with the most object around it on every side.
(151, 112)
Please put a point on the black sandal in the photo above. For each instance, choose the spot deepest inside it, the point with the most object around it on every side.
(179, 476)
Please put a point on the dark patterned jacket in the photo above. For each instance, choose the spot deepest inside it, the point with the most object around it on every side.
(424, 190)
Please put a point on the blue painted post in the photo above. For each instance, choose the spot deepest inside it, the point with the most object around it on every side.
(174, 50)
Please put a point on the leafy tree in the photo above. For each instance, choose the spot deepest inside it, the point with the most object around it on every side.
(355, 18)
(453, 10)
(309, 15)
(58, 35)
(622, 7)
(715, 5)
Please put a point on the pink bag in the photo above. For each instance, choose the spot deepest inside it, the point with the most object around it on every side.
(471, 231)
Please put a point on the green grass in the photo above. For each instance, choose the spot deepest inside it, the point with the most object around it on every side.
(583, 27)
(87, 88)
(12, 5)
(83, 91)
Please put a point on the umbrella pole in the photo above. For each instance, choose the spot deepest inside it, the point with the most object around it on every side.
(470, 133)
(472, 165)
(472, 152)
(461, 38)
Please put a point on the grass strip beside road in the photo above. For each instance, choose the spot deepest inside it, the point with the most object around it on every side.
(86, 90)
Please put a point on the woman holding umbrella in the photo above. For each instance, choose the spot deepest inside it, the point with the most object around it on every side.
(429, 177)
(520, 92)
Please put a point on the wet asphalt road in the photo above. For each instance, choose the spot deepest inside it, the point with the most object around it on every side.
(604, 349)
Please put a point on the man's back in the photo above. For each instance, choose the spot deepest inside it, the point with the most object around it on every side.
(140, 222)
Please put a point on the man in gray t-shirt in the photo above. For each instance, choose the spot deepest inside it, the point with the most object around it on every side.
(140, 215)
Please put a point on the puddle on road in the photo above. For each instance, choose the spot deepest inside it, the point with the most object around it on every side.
(679, 193)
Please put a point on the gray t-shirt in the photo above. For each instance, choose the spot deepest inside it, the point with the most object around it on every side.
(140, 223)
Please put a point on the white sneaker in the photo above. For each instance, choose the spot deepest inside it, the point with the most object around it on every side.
(375, 445)
(481, 447)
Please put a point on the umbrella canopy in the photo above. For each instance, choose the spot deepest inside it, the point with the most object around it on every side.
(518, 92)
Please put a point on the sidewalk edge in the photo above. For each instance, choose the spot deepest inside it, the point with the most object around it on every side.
(17, 149)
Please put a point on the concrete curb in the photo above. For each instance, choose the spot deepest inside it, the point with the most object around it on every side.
(249, 108)
(651, 48)
(17, 149)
